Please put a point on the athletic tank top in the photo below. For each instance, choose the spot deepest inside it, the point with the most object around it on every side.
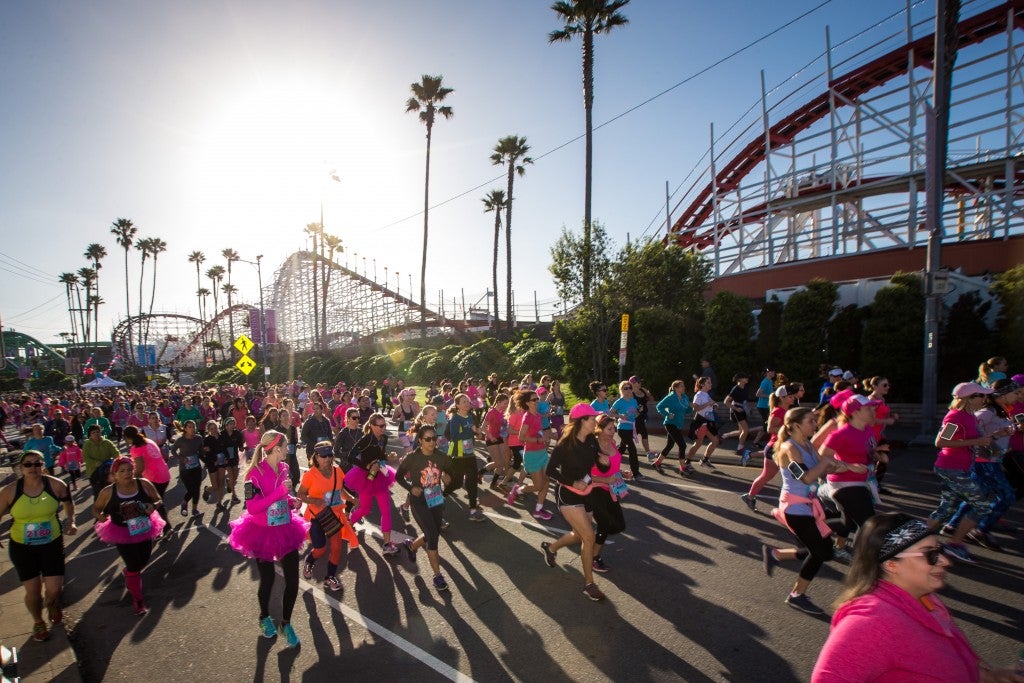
(794, 486)
(35, 517)
(122, 507)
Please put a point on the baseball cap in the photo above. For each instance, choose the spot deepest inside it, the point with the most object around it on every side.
(835, 372)
(848, 375)
(965, 389)
(856, 402)
(69, 439)
(582, 410)
(781, 392)
(541, 391)
(840, 397)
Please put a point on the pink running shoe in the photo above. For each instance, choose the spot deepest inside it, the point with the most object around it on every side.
(513, 494)
(542, 514)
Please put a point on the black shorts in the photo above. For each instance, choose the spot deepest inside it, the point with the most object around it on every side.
(517, 457)
(701, 426)
(564, 497)
(494, 442)
(641, 426)
(738, 415)
(33, 561)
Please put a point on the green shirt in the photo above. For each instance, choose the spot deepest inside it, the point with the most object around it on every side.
(104, 424)
(95, 454)
(185, 414)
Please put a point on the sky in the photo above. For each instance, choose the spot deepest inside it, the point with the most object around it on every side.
(215, 124)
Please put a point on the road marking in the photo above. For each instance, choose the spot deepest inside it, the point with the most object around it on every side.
(352, 615)
(93, 552)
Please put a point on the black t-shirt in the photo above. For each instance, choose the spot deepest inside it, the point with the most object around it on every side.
(739, 396)
(422, 470)
(571, 460)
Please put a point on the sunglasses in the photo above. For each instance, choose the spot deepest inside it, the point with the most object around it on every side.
(429, 438)
(377, 424)
(326, 455)
(34, 463)
(931, 556)
(534, 400)
(602, 388)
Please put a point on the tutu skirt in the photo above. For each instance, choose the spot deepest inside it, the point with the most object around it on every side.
(355, 480)
(116, 534)
(267, 543)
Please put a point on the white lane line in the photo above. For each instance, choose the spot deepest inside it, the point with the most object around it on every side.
(536, 525)
(352, 615)
(79, 556)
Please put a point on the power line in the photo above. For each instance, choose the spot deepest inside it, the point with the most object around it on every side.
(27, 266)
(30, 310)
(29, 276)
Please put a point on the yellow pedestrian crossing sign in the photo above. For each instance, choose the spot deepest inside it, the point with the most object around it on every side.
(244, 345)
(246, 365)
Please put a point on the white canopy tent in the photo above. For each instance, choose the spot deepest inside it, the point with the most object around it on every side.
(103, 383)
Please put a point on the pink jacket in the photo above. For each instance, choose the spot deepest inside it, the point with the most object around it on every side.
(887, 635)
(270, 487)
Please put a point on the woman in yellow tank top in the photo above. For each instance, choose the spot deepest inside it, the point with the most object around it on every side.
(36, 544)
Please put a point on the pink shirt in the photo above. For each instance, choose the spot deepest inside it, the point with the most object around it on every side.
(494, 421)
(958, 458)
(614, 467)
(251, 437)
(853, 446)
(534, 429)
(154, 467)
(515, 421)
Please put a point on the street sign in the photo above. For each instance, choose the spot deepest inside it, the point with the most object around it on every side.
(246, 365)
(244, 345)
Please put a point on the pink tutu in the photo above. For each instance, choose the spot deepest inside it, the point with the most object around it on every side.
(116, 534)
(355, 480)
(267, 543)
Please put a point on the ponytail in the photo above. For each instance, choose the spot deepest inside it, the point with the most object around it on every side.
(269, 440)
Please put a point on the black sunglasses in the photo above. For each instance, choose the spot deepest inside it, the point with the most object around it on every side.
(34, 463)
(378, 424)
(931, 556)
(325, 455)
(428, 438)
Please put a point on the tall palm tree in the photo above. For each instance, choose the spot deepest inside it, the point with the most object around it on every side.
(156, 247)
(201, 294)
(230, 255)
(332, 244)
(315, 230)
(510, 150)
(143, 246)
(96, 253)
(426, 95)
(495, 201)
(197, 257)
(124, 231)
(86, 276)
(587, 18)
(70, 282)
(216, 274)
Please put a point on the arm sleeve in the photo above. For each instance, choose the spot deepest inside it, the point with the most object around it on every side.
(555, 465)
(259, 503)
(403, 470)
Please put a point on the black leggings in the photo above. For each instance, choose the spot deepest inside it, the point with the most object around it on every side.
(135, 555)
(674, 437)
(626, 442)
(290, 565)
(162, 509)
(429, 520)
(818, 549)
(857, 506)
(463, 473)
(607, 514)
(193, 480)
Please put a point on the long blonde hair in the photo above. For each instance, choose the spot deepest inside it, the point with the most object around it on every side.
(794, 416)
(269, 439)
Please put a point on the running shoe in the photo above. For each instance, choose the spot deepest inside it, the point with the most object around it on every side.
(651, 456)
(291, 638)
(983, 539)
(659, 469)
(768, 559)
(184, 510)
(410, 552)
(549, 555)
(960, 553)
(332, 584)
(804, 604)
(637, 476)
(542, 515)
(842, 555)
(267, 628)
(221, 506)
(140, 608)
(55, 614)
(599, 565)
(750, 501)
(439, 583)
(235, 499)
(513, 494)
(445, 524)
(475, 515)
(739, 451)
(40, 632)
(390, 549)
(307, 569)
(706, 462)
(206, 494)
(745, 458)
(593, 592)
(196, 512)
(947, 530)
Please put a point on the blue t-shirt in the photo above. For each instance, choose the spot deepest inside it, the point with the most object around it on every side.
(626, 409)
(600, 406)
(544, 409)
(766, 387)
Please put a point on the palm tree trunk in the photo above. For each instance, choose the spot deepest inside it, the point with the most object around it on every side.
(152, 297)
(82, 313)
(494, 267)
(142, 278)
(231, 318)
(423, 264)
(588, 107)
(71, 310)
(202, 316)
(96, 306)
(508, 247)
(128, 308)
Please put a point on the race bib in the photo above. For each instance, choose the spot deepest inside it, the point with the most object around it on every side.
(191, 462)
(333, 498)
(222, 459)
(73, 466)
(619, 487)
(433, 496)
(138, 526)
(277, 513)
(291, 449)
(503, 432)
(559, 410)
(232, 453)
(38, 533)
(467, 446)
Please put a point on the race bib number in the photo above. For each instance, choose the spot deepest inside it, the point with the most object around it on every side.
(503, 432)
(222, 459)
(191, 462)
(73, 466)
(333, 498)
(38, 533)
(291, 449)
(277, 513)
(433, 496)
(467, 446)
(138, 526)
(232, 453)
(619, 487)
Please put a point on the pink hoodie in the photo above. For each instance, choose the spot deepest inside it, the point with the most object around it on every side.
(887, 635)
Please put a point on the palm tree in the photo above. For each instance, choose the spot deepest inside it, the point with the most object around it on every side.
(86, 276)
(201, 294)
(332, 245)
(510, 150)
(425, 96)
(70, 281)
(124, 231)
(216, 274)
(230, 290)
(230, 255)
(143, 246)
(197, 257)
(156, 246)
(586, 18)
(495, 201)
(96, 253)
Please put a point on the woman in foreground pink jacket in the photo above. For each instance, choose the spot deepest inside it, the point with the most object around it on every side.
(890, 625)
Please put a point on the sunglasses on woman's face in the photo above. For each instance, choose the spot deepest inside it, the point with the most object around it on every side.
(32, 463)
(429, 439)
(931, 555)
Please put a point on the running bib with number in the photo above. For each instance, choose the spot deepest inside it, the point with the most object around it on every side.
(191, 462)
(467, 445)
(291, 449)
(433, 495)
(138, 526)
(277, 513)
(38, 533)
(73, 466)
(619, 487)
(333, 498)
(222, 459)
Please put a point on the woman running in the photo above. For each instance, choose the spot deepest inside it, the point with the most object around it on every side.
(151, 465)
(571, 462)
(781, 400)
(624, 410)
(70, 461)
(188, 448)
(704, 424)
(557, 400)
(643, 399)
(126, 516)
(35, 543)
(673, 409)
(879, 387)
(535, 454)
(604, 499)
(495, 434)
(423, 473)
(322, 489)
(271, 531)
(460, 432)
(215, 458)
(233, 445)
(991, 371)
(600, 402)
(737, 400)
(250, 439)
(799, 509)
(371, 477)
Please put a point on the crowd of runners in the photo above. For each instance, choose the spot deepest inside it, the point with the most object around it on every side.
(294, 468)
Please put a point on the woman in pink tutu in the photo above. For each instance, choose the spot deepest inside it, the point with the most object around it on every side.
(270, 530)
(126, 516)
(371, 477)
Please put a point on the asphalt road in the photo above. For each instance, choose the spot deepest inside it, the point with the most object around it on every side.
(687, 598)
